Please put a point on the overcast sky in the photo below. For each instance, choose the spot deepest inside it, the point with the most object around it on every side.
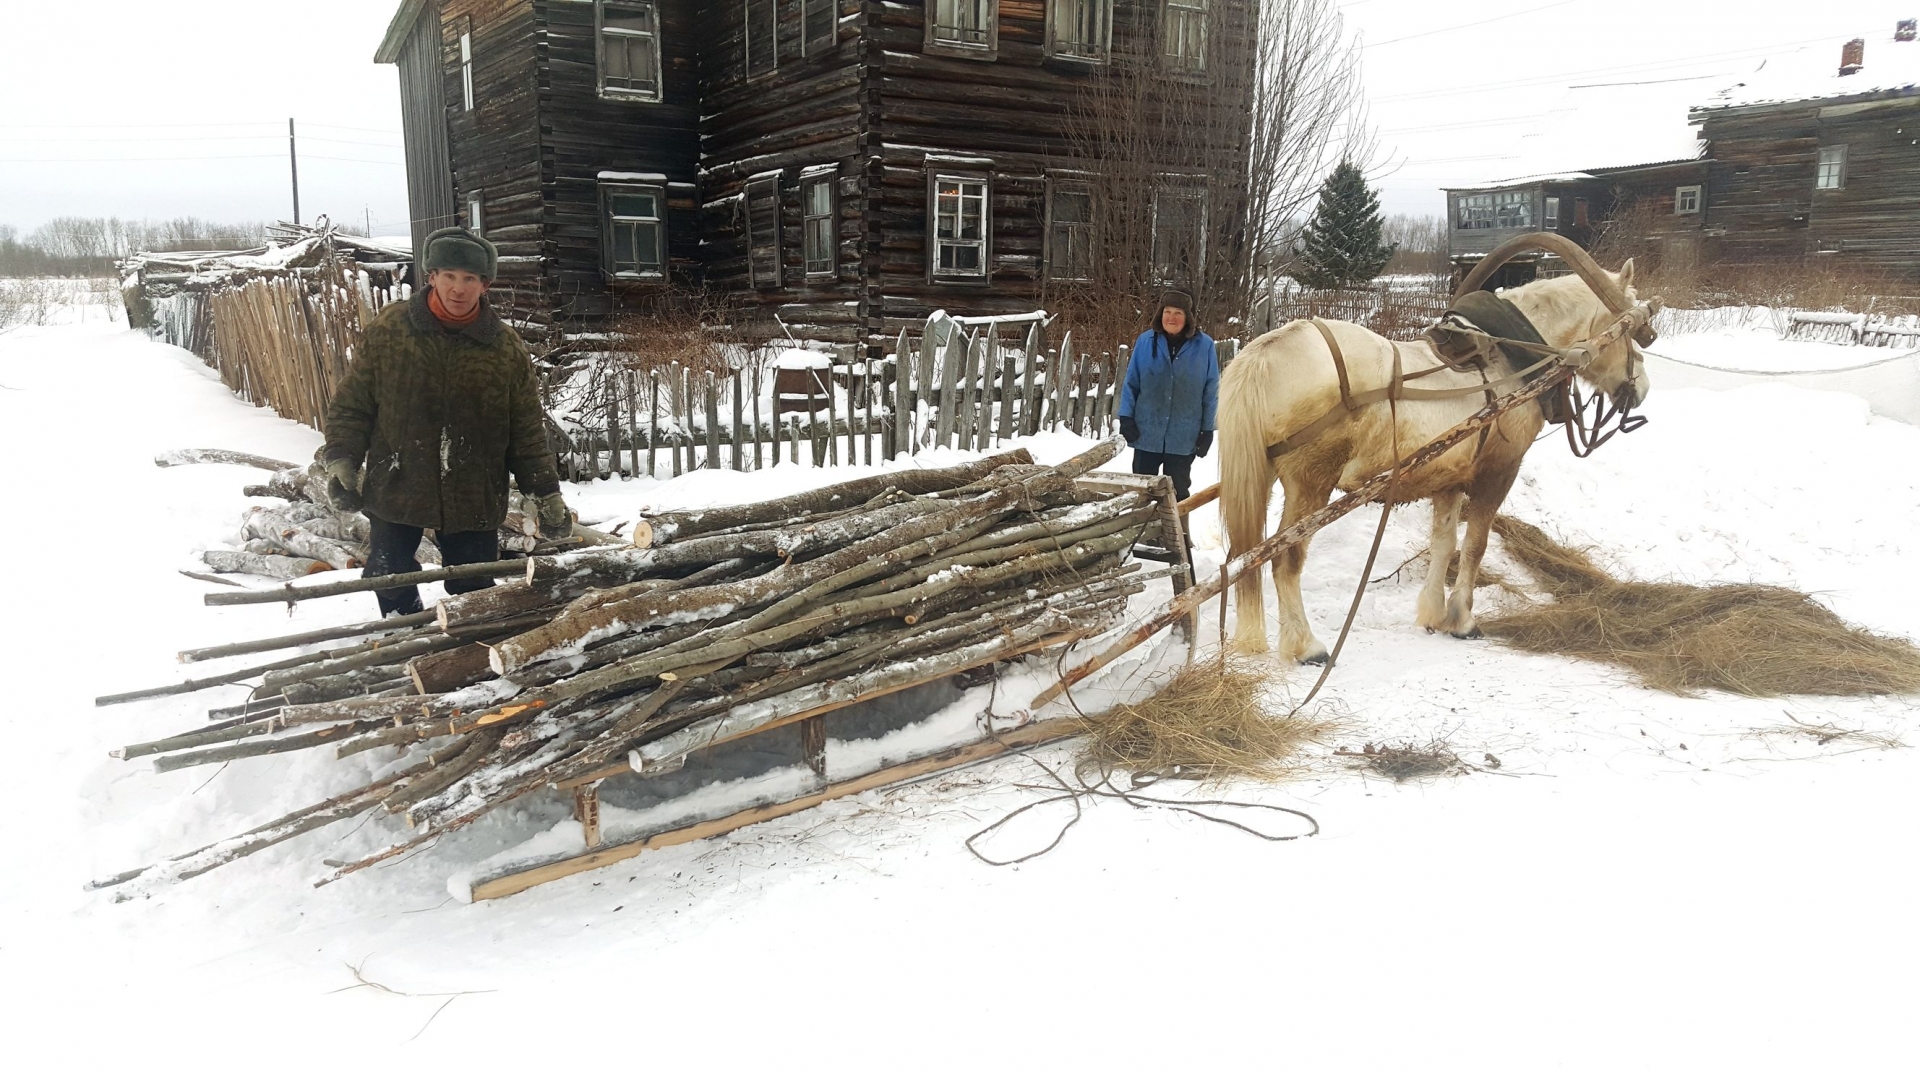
(142, 109)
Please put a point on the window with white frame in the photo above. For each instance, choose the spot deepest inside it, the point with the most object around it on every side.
(633, 231)
(1183, 35)
(963, 26)
(819, 26)
(1069, 231)
(1080, 29)
(763, 231)
(763, 21)
(1830, 174)
(819, 223)
(1686, 200)
(1179, 228)
(1550, 218)
(466, 70)
(629, 48)
(959, 225)
(476, 219)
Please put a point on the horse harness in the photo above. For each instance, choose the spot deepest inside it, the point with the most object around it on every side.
(1466, 348)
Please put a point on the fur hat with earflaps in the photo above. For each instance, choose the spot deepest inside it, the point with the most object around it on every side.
(1175, 298)
(455, 248)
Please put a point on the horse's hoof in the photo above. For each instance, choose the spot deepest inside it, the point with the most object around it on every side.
(1474, 634)
(1318, 659)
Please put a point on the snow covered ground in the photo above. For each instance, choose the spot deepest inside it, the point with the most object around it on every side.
(1646, 885)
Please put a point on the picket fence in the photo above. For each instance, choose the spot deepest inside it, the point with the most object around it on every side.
(961, 384)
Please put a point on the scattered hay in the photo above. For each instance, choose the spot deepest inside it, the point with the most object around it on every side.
(1823, 734)
(1756, 640)
(1212, 720)
(1409, 762)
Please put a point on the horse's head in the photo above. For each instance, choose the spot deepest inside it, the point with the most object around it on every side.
(1566, 310)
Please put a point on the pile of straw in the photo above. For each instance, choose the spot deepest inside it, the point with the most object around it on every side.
(1211, 720)
(1756, 640)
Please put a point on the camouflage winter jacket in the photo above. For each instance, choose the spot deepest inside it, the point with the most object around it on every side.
(439, 417)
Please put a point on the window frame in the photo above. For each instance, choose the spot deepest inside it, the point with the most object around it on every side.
(1102, 50)
(477, 213)
(983, 275)
(466, 69)
(1839, 168)
(1070, 186)
(1181, 62)
(827, 176)
(767, 187)
(1679, 198)
(747, 38)
(608, 221)
(1550, 212)
(987, 50)
(1185, 188)
(600, 34)
(810, 45)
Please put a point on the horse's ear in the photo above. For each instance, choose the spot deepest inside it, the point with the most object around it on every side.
(1626, 275)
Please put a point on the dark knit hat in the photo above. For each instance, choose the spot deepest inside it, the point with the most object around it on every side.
(455, 248)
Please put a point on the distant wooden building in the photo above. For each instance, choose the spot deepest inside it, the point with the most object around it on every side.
(845, 166)
(1785, 165)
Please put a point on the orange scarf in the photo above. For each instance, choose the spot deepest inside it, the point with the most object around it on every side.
(440, 312)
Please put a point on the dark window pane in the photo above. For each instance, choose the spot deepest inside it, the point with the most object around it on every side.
(633, 205)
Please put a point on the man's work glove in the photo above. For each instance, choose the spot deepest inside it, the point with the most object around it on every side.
(1130, 429)
(556, 521)
(1203, 444)
(343, 485)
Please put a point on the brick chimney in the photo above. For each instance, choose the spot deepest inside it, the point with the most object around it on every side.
(1852, 56)
(1904, 29)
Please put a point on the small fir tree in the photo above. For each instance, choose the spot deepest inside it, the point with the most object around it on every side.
(1341, 245)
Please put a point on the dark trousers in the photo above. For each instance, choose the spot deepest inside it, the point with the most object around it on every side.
(392, 551)
(1178, 466)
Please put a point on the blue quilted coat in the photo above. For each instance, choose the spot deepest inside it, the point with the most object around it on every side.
(1172, 394)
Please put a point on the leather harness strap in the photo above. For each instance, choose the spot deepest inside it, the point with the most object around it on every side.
(1396, 390)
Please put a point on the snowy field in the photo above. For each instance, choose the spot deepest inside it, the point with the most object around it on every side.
(1646, 885)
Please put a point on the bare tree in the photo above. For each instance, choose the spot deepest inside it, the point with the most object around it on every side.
(1200, 159)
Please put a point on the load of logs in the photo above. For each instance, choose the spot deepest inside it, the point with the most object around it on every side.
(307, 535)
(731, 619)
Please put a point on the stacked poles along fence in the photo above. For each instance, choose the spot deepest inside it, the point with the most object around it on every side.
(948, 387)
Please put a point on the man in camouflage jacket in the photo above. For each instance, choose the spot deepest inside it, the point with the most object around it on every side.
(436, 409)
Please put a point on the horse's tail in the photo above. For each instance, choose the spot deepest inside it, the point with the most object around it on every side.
(1246, 480)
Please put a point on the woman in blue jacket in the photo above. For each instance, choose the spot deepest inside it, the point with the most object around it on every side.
(1172, 390)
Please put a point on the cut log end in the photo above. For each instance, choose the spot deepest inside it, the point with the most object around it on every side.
(642, 534)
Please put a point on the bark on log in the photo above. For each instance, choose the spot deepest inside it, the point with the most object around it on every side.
(278, 567)
(293, 594)
(221, 457)
(310, 637)
(450, 670)
(678, 526)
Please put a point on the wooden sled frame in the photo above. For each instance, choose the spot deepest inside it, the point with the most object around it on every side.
(1171, 545)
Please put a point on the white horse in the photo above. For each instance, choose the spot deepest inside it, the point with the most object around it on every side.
(1286, 380)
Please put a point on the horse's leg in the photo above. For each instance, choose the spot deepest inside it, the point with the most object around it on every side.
(1305, 497)
(1483, 505)
(1432, 610)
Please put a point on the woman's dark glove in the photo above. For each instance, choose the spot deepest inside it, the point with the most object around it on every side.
(1129, 429)
(1203, 444)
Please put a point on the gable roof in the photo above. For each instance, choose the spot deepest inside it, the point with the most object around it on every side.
(397, 31)
(1812, 73)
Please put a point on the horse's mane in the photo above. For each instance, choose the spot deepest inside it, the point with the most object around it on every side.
(1556, 300)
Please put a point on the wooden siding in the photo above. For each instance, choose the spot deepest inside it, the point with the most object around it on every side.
(583, 134)
(495, 151)
(423, 123)
(1762, 204)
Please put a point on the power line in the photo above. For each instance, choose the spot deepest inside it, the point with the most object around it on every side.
(1464, 26)
(188, 157)
(92, 139)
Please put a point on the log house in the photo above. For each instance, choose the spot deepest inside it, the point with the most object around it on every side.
(843, 166)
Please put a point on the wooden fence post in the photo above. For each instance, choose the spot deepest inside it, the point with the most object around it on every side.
(1029, 423)
(713, 421)
(760, 462)
(903, 364)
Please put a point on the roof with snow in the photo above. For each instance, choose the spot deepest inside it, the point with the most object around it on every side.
(1610, 126)
(1813, 73)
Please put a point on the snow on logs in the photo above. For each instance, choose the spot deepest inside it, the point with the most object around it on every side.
(737, 619)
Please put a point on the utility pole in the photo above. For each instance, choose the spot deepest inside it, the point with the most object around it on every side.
(293, 162)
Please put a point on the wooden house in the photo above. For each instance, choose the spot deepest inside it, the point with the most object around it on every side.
(1822, 164)
(1816, 155)
(843, 166)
